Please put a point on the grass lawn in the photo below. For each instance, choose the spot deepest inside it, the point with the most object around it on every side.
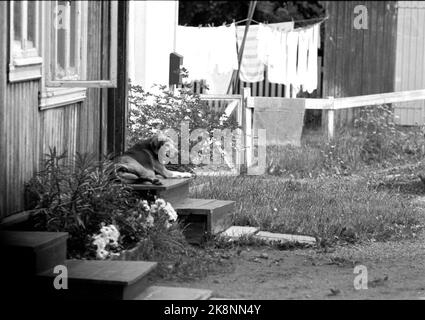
(326, 189)
(329, 209)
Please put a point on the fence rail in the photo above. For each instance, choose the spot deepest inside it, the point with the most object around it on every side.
(245, 109)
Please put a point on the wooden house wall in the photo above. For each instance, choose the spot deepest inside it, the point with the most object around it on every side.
(358, 62)
(26, 132)
(410, 61)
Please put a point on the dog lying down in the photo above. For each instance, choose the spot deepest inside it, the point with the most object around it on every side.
(140, 163)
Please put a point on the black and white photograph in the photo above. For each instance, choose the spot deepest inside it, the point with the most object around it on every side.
(228, 152)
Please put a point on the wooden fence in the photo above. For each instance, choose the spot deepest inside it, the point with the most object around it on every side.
(329, 106)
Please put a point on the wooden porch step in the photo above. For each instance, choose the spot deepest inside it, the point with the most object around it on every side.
(174, 293)
(95, 279)
(30, 252)
(204, 216)
(171, 190)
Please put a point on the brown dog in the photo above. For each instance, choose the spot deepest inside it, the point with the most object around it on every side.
(141, 162)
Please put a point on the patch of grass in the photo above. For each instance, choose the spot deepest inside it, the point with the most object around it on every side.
(373, 141)
(329, 209)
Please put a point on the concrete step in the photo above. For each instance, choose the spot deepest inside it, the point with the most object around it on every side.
(204, 216)
(174, 293)
(95, 279)
(171, 190)
(30, 252)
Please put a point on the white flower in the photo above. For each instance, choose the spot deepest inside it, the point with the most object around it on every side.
(145, 205)
(172, 214)
(102, 254)
(160, 203)
(150, 220)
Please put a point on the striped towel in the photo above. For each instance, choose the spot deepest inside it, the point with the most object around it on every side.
(252, 65)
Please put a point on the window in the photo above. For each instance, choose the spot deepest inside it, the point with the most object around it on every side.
(68, 46)
(25, 60)
(71, 41)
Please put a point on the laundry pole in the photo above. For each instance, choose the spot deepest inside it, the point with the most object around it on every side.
(252, 5)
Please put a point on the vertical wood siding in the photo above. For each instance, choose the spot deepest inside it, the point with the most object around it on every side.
(410, 60)
(27, 133)
(358, 62)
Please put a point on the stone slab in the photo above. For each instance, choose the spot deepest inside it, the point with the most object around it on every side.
(236, 232)
(284, 238)
(174, 293)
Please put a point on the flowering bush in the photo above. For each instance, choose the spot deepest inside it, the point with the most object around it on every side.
(101, 215)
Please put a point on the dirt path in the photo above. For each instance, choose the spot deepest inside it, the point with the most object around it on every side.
(308, 274)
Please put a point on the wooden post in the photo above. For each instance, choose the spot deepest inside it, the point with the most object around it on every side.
(117, 97)
(248, 141)
(331, 120)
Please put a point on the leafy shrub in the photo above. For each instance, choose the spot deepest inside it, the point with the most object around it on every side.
(161, 109)
(81, 196)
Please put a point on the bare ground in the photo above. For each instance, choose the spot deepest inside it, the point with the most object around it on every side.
(396, 270)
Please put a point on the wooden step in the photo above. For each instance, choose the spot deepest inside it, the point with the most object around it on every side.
(30, 252)
(174, 293)
(95, 279)
(204, 216)
(171, 190)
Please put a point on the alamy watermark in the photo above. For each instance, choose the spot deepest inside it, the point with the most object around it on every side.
(361, 280)
(361, 17)
(224, 147)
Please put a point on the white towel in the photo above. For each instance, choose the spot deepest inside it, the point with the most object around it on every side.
(277, 60)
(303, 44)
(314, 44)
(292, 47)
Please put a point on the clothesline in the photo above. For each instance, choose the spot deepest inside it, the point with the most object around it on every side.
(320, 20)
(290, 55)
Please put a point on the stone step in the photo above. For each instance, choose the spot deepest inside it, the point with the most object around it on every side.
(171, 190)
(174, 293)
(30, 252)
(95, 279)
(204, 216)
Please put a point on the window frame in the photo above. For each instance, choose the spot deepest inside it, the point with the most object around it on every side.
(51, 96)
(113, 49)
(26, 64)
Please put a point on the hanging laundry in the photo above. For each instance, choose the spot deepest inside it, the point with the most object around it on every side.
(291, 63)
(277, 58)
(314, 43)
(303, 43)
(209, 54)
(223, 58)
(251, 69)
(256, 49)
